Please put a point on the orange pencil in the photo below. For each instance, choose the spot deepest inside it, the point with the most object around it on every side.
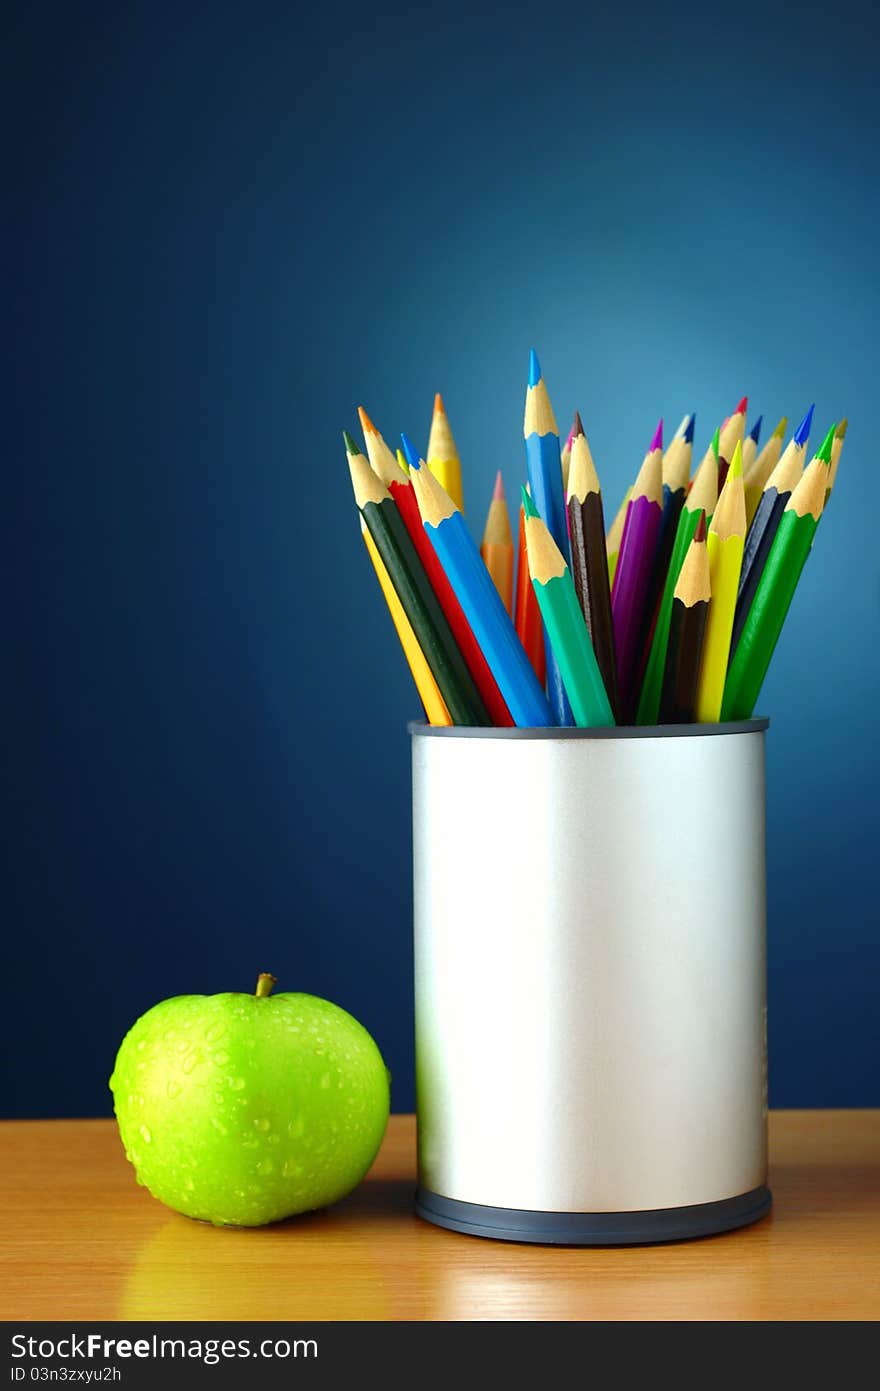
(497, 545)
(527, 615)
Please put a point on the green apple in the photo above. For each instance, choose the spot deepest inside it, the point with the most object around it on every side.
(243, 1109)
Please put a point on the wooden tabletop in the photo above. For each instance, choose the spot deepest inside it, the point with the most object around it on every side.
(82, 1240)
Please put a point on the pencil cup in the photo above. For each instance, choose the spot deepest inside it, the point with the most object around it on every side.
(590, 981)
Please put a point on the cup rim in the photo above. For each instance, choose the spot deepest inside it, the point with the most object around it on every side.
(756, 725)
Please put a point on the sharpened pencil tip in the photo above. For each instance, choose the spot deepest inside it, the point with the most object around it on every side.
(841, 430)
(439, 408)
(825, 452)
(742, 407)
(409, 449)
(350, 446)
(498, 490)
(534, 368)
(755, 432)
(802, 433)
(736, 463)
(781, 428)
(657, 441)
(401, 459)
(366, 423)
(528, 506)
(578, 427)
(716, 442)
(689, 428)
(700, 533)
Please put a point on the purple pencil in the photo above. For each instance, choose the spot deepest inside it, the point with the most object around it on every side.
(632, 577)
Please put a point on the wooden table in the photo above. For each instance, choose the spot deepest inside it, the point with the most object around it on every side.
(82, 1240)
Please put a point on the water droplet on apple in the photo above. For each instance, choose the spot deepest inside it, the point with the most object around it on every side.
(215, 1031)
(189, 1185)
(220, 1059)
(237, 1084)
(262, 1123)
(218, 1125)
(172, 1089)
(265, 1166)
(325, 1080)
(146, 1134)
(296, 1127)
(190, 1061)
(141, 1046)
(168, 1035)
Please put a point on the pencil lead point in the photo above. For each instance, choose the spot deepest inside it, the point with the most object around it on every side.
(350, 446)
(841, 430)
(498, 490)
(410, 451)
(825, 452)
(736, 463)
(781, 428)
(439, 408)
(755, 432)
(657, 441)
(528, 506)
(742, 407)
(802, 433)
(401, 459)
(700, 533)
(366, 423)
(578, 427)
(688, 434)
(534, 368)
(716, 443)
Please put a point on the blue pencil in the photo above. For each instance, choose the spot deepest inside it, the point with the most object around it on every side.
(544, 464)
(482, 604)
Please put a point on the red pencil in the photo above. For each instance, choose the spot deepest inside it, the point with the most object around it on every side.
(383, 462)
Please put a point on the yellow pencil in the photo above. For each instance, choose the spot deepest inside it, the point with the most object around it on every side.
(442, 457)
(615, 532)
(725, 548)
(497, 544)
(757, 473)
(435, 706)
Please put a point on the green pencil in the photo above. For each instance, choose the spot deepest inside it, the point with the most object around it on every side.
(701, 498)
(775, 591)
(564, 624)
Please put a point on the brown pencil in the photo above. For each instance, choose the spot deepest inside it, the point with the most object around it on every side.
(589, 560)
(690, 606)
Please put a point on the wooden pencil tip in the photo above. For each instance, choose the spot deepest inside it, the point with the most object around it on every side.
(755, 432)
(409, 449)
(842, 427)
(439, 408)
(825, 452)
(700, 533)
(742, 407)
(350, 446)
(366, 423)
(802, 433)
(657, 441)
(528, 506)
(688, 432)
(736, 463)
(716, 442)
(578, 424)
(498, 490)
(534, 368)
(781, 428)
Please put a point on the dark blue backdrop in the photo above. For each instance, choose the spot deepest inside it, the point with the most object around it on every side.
(229, 224)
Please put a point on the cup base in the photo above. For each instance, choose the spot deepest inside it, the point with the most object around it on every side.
(594, 1228)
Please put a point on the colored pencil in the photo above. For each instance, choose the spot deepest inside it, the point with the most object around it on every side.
(685, 421)
(759, 537)
(481, 602)
(724, 547)
(729, 436)
(687, 626)
(750, 444)
(701, 498)
(565, 624)
(544, 465)
(633, 574)
(526, 614)
(442, 457)
(676, 476)
(774, 594)
(429, 692)
(589, 562)
(756, 476)
(615, 531)
(836, 449)
(411, 584)
(565, 456)
(496, 547)
(384, 464)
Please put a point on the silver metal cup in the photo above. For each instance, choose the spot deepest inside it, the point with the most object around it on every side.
(590, 981)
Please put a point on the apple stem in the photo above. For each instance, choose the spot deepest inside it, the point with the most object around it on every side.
(265, 982)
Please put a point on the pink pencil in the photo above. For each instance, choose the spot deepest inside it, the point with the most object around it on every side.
(634, 564)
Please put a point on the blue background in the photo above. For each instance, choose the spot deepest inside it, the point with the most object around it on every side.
(228, 225)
